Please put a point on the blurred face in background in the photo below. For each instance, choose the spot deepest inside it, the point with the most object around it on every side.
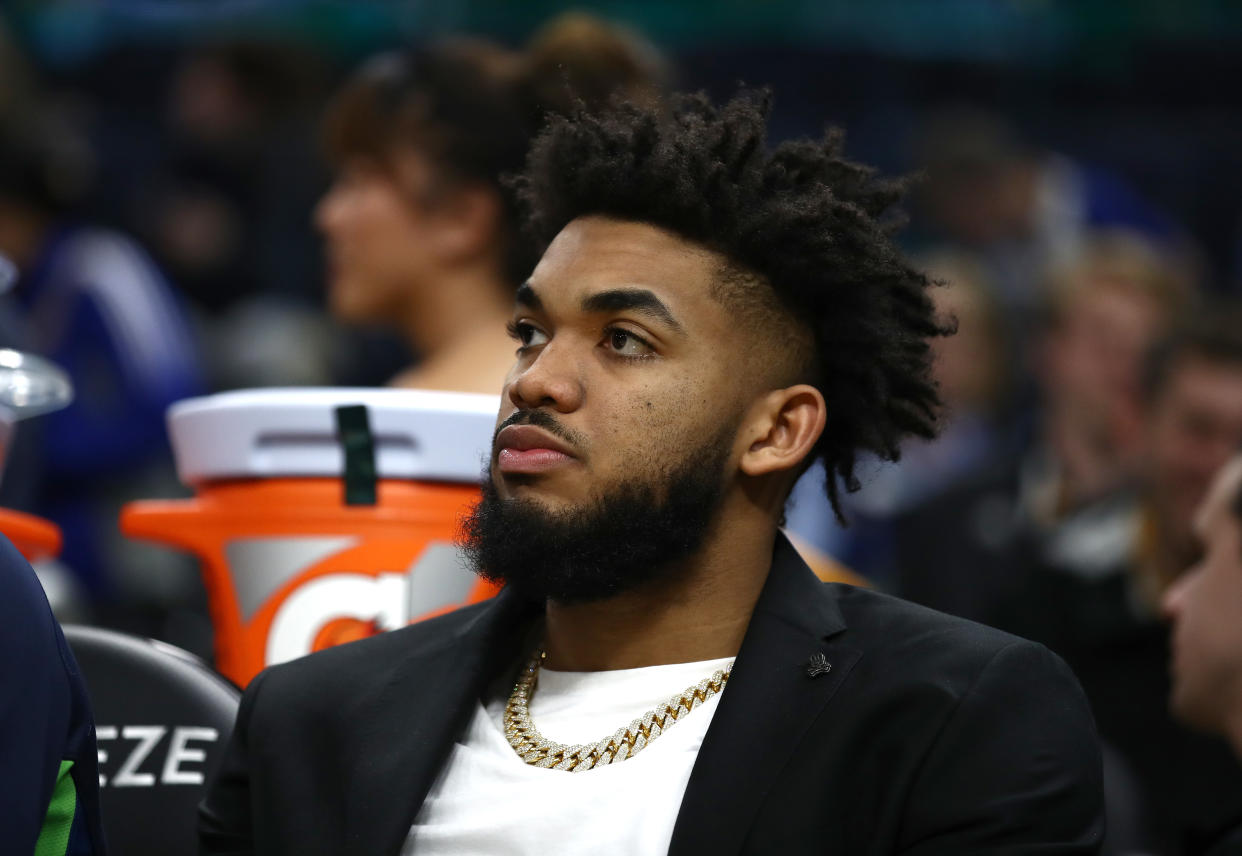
(1194, 427)
(1205, 606)
(969, 366)
(379, 232)
(1093, 356)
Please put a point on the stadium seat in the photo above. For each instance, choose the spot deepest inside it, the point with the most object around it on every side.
(162, 718)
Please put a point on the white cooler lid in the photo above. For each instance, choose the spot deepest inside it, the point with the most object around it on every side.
(418, 434)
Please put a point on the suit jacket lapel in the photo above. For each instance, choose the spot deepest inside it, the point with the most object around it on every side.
(403, 734)
(770, 703)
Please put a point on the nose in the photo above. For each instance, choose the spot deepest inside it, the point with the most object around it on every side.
(552, 380)
(1171, 601)
(327, 210)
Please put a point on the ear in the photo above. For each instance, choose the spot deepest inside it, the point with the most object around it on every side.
(465, 222)
(782, 429)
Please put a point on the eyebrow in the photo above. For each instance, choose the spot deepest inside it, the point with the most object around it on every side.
(526, 296)
(638, 299)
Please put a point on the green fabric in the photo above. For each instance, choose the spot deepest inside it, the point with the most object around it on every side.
(54, 837)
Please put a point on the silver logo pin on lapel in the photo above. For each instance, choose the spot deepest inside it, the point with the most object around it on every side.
(817, 664)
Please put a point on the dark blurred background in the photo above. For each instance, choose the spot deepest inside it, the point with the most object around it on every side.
(1080, 194)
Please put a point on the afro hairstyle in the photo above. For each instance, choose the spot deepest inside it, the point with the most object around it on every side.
(798, 221)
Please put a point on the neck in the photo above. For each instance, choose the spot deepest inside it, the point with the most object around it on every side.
(700, 612)
(462, 301)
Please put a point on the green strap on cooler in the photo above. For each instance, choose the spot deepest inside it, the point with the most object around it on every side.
(353, 431)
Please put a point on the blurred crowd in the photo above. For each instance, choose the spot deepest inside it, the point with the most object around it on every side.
(266, 215)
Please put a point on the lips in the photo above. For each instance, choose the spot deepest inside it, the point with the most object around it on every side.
(525, 449)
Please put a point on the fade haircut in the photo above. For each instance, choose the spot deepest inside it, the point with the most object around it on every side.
(807, 236)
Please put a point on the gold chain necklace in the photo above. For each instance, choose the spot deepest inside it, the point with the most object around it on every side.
(536, 750)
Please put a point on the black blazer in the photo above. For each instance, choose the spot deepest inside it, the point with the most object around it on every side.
(929, 735)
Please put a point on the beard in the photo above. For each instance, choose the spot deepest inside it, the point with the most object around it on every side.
(636, 533)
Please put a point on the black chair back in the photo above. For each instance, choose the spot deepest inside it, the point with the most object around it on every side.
(162, 718)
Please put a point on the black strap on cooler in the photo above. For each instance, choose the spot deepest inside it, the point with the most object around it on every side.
(353, 431)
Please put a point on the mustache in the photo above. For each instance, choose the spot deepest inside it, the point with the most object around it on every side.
(539, 419)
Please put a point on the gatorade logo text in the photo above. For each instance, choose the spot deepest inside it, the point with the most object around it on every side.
(313, 585)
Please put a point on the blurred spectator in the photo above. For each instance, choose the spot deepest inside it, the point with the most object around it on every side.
(1193, 423)
(1085, 579)
(1102, 312)
(1205, 606)
(973, 370)
(225, 212)
(1023, 209)
(422, 234)
(92, 301)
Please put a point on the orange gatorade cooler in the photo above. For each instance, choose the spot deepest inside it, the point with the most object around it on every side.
(322, 515)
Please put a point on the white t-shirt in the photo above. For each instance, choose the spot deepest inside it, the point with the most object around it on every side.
(487, 800)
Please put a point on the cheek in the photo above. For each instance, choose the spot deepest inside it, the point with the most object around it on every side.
(667, 422)
(376, 257)
(386, 230)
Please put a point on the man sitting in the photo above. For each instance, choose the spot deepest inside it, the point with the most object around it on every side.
(708, 318)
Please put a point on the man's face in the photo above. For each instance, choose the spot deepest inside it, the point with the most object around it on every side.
(1093, 358)
(1205, 605)
(624, 347)
(618, 428)
(1195, 426)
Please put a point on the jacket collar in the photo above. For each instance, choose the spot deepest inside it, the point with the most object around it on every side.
(771, 702)
(407, 728)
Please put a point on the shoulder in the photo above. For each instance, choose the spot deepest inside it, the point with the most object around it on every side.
(108, 275)
(893, 621)
(29, 636)
(917, 648)
(103, 264)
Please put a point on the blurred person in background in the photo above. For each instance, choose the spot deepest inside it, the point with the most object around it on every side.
(1087, 582)
(226, 211)
(1194, 421)
(1205, 607)
(1024, 209)
(973, 372)
(421, 231)
(90, 299)
(1101, 315)
(1103, 312)
(223, 207)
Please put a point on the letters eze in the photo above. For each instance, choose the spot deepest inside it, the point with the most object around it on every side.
(148, 737)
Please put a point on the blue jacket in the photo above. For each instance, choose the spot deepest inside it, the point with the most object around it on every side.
(49, 775)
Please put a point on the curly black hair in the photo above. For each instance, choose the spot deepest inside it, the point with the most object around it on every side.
(815, 227)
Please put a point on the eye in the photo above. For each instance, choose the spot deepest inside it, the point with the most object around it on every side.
(527, 334)
(626, 344)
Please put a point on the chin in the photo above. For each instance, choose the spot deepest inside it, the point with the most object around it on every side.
(339, 302)
(533, 491)
(1192, 709)
(357, 311)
